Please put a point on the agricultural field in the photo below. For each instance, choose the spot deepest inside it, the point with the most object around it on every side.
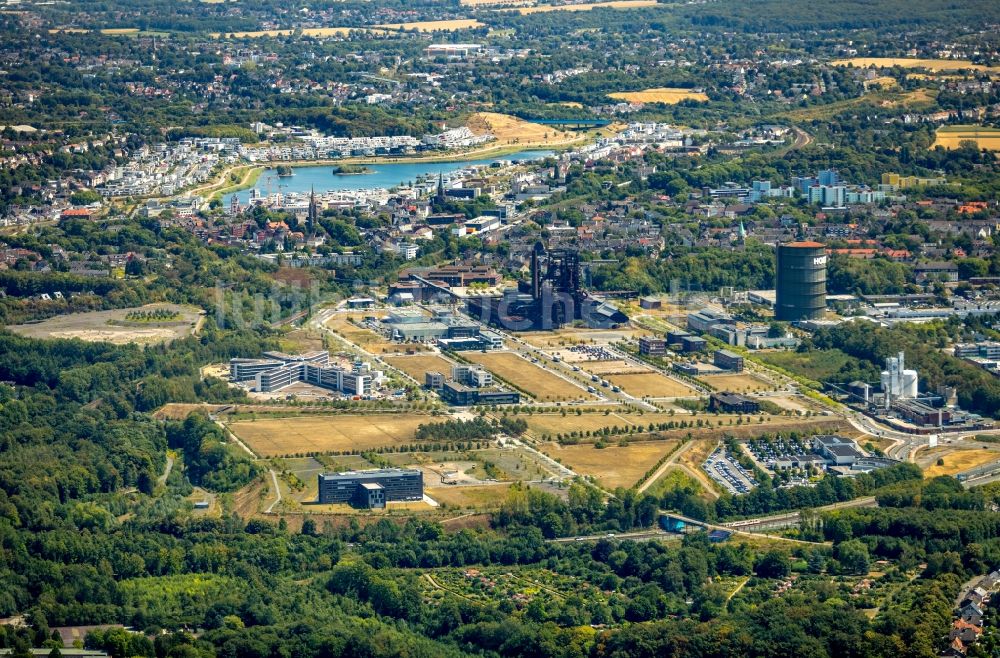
(435, 26)
(651, 384)
(512, 130)
(951, 137)
(418, 365)
(115, 326)
(614, 4)
(539, 384)
(742, 383)
(664, 95)
(911, 63)
(613, 466)
(955, 460)
(276, 437)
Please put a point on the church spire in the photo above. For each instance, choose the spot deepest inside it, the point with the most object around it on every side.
(313, 211)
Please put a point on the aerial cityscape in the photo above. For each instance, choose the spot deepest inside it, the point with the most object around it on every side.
(499, 328)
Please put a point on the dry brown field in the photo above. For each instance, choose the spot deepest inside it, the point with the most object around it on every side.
(613, 466)
(951, 137)
(275, 437)
(540, 384)
(742, 383)
(614, 4)
(651, 384)
(434, 26)
(912, 63)
(418, 365)
(568, 337)
(512, 130)
(955, 460)
(664, 95)
(480, 497)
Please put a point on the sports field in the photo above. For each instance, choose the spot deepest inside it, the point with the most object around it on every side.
(539, 384)
(651, 384)
(613, 466)
(417, 366)
(951, 137)
(664, 95)
(276, 437)
(911, 63)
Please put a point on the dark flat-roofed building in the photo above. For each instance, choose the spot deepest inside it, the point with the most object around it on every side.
(371, 488)
(733, 403)
(728, 360)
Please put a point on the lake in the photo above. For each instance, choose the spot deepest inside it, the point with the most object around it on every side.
(386, 176)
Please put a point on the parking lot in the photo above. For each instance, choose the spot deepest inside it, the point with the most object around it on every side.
(723, 467)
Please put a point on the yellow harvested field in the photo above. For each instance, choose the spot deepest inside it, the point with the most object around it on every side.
(435, 26)
(276, 437)
(539, 384)
(613, 466)
(744, 383)
(651, 384)
(885, 82)
(664, 95)
(911, 63)
(120, 30)
(480, 497)
(614, 367)
(307, 32)
(511, 130)
(615, 4)
(960, 460)
(419, 365)
(486, 3)
(951, 137)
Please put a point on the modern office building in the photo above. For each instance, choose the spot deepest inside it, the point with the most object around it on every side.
(728, 360)
(733, 403)
(801, 281)
(371, 489)
(278, 370)
(650, 346)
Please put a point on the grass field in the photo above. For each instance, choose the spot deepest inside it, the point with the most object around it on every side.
(664, 95)
(511, 130)
(615, 4)
(539, 384)
(951, 137)
(817, 365)
(958, 460)
(276, 437)
(485, 497)
(651, 384)
(613, 466)
(744, 383)
(435, 26)
(418, 365)
(911, 63)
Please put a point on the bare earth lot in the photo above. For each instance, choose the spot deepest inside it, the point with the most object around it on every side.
(274, 437)
(651, 384)
(540, 384)
(613, 466)
(112, 326)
